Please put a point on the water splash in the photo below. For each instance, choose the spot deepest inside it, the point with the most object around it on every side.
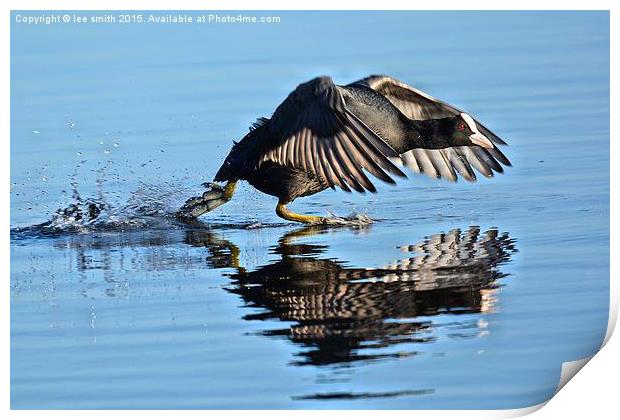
(149, 206)
(353, 219)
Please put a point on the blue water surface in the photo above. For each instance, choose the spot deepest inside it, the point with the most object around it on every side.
(248, 311)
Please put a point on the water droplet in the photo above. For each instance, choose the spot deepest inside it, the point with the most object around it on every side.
(71, 124)
(116, 145)
(93, 316)
(106, 151)
(36, 132)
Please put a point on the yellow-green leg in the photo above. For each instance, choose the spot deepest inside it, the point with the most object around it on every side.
(229, 190)
(285, 213)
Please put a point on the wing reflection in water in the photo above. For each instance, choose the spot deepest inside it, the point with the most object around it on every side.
(343, 315)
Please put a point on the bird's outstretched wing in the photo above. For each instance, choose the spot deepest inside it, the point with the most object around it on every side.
(313, 130)
(438, 163)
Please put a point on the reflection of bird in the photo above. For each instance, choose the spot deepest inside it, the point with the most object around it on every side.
(339, 311)
(326, 136)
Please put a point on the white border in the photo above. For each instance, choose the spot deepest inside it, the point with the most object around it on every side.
(592, 394)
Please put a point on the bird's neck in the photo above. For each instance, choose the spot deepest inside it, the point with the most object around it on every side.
(427, 134)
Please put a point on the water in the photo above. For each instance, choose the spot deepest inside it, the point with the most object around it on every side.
(458, 296)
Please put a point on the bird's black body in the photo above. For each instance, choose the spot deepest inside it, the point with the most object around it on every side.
(284, 182)
(326, 136)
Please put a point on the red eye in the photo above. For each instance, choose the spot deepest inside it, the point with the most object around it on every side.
(461, 127)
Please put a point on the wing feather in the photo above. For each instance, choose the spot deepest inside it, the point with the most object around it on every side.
(332, 173)
(446, 169)
(339, 178)
(475, 161)
(349, 162)
(460, 163)
(361, 155)
(344, 172)
(314, 131)
(498, 155)
(410, 161)
(308, 154)
(318, 168)
(447, 162)
(487, 158)
(424, 163)
(416, 104)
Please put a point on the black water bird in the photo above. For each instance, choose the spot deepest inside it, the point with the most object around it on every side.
(327, 136)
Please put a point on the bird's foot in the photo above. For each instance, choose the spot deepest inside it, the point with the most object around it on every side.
(209, 200)
(331, 220)
(212, 186)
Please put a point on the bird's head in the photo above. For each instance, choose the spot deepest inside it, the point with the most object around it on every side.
(463, 131)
